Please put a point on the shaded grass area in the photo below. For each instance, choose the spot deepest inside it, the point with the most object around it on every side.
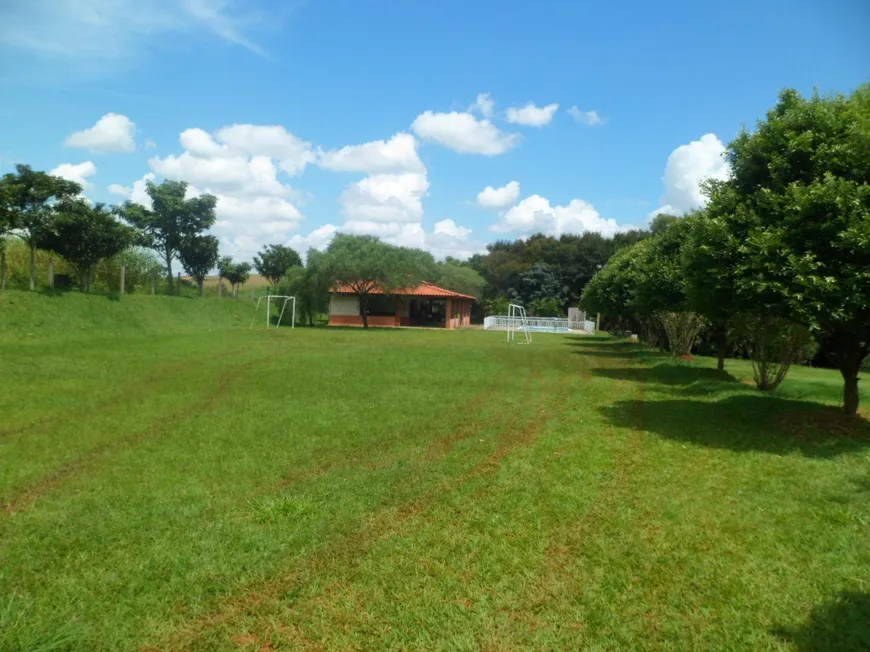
(340, 489)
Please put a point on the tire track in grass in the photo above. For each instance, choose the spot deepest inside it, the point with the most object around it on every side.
(120, 399)
(26, 496)
(344, 551)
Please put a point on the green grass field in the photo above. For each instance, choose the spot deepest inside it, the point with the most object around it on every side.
(171, 480)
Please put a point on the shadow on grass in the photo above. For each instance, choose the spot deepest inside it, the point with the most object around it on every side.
(683, 378)
(747, 423)
(842, 625)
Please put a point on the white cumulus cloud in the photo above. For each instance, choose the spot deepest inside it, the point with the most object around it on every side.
(78, 172)
(386, 198)
(590, 118)
(118, 189)
(535, 214)
(111, 134)
(398, 154)
(464, 133)
(687, 167)
(502, 197)
(531, 115)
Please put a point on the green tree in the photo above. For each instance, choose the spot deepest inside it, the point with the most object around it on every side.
(661, 222)
(539, 283)
(802, 218)
(364, 264)
(274, 261)
(199, 255)
(29, 197)
(84, 235)
(236, 273)
(310, 287)
(455, 276)
(171, 220)
(708, 258)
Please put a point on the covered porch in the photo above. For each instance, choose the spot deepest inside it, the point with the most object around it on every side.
(427, 306)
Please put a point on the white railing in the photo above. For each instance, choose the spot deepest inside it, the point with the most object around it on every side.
(537, 324)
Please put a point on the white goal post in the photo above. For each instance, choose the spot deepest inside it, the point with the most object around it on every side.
(517, 315)
(268, 299)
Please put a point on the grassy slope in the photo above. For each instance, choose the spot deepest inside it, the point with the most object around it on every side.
(429, 490)
(32, 316)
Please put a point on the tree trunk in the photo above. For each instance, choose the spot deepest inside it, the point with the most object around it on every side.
(169, 273)
(362, 312)
(850, 393)
(51, 272)
(850, 355)
(721, 346)
(2, 269)
(32, 267)
(199, 285)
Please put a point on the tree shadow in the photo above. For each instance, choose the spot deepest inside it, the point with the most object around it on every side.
(842, 625)
(744, 423)
(682, 378)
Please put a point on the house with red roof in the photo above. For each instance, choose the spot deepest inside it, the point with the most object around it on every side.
(425, 305)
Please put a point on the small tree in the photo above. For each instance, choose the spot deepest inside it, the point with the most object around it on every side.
(460, 278)
(309, 285)
(29, 197)
(274, 261)
(236, 273)
(199, 255)
(364, 264)
(84, 235)
(171, 220)
(773, 344)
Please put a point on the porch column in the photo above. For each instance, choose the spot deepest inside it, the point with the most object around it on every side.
(399, 306)
(448, 321)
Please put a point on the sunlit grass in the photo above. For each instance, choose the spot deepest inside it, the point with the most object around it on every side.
(339, 489)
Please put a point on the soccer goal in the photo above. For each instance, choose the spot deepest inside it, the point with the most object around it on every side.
(276, 298)
(517, 321)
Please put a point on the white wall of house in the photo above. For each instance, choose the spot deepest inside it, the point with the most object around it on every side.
(343, 305)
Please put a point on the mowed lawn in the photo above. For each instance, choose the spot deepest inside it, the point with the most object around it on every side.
(340, 489)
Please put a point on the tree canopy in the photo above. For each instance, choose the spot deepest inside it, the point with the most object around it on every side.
(172, 219)
(274, 261)
(199, 255)
(84, 235)
(29, 198)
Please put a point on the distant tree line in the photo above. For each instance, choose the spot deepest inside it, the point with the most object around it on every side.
(778, 260)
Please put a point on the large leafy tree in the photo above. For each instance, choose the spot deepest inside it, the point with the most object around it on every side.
(541, 282)
(84, 235)
(802, 218)
(199, 255)
(274, 261)
(365, 264)
(29, 197)
(172, 219)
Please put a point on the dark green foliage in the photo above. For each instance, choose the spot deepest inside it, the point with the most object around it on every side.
(539, 284)
(798, 204)
(274, 261)
(199, 255)
(28, 198)
(84, 235)
(171, 221)
(236, 273)
(310, 286)
(459, 277)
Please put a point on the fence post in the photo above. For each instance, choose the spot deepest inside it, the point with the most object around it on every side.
(123, 274)
(2, 266)
(598, 322)
(153, 283)
(51, 272)
(220, 288)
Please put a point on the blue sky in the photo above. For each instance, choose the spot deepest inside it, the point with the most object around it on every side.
(393, 117)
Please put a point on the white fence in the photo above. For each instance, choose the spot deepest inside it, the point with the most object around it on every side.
(537, 324)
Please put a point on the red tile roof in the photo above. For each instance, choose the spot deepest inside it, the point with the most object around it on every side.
(425, 290)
